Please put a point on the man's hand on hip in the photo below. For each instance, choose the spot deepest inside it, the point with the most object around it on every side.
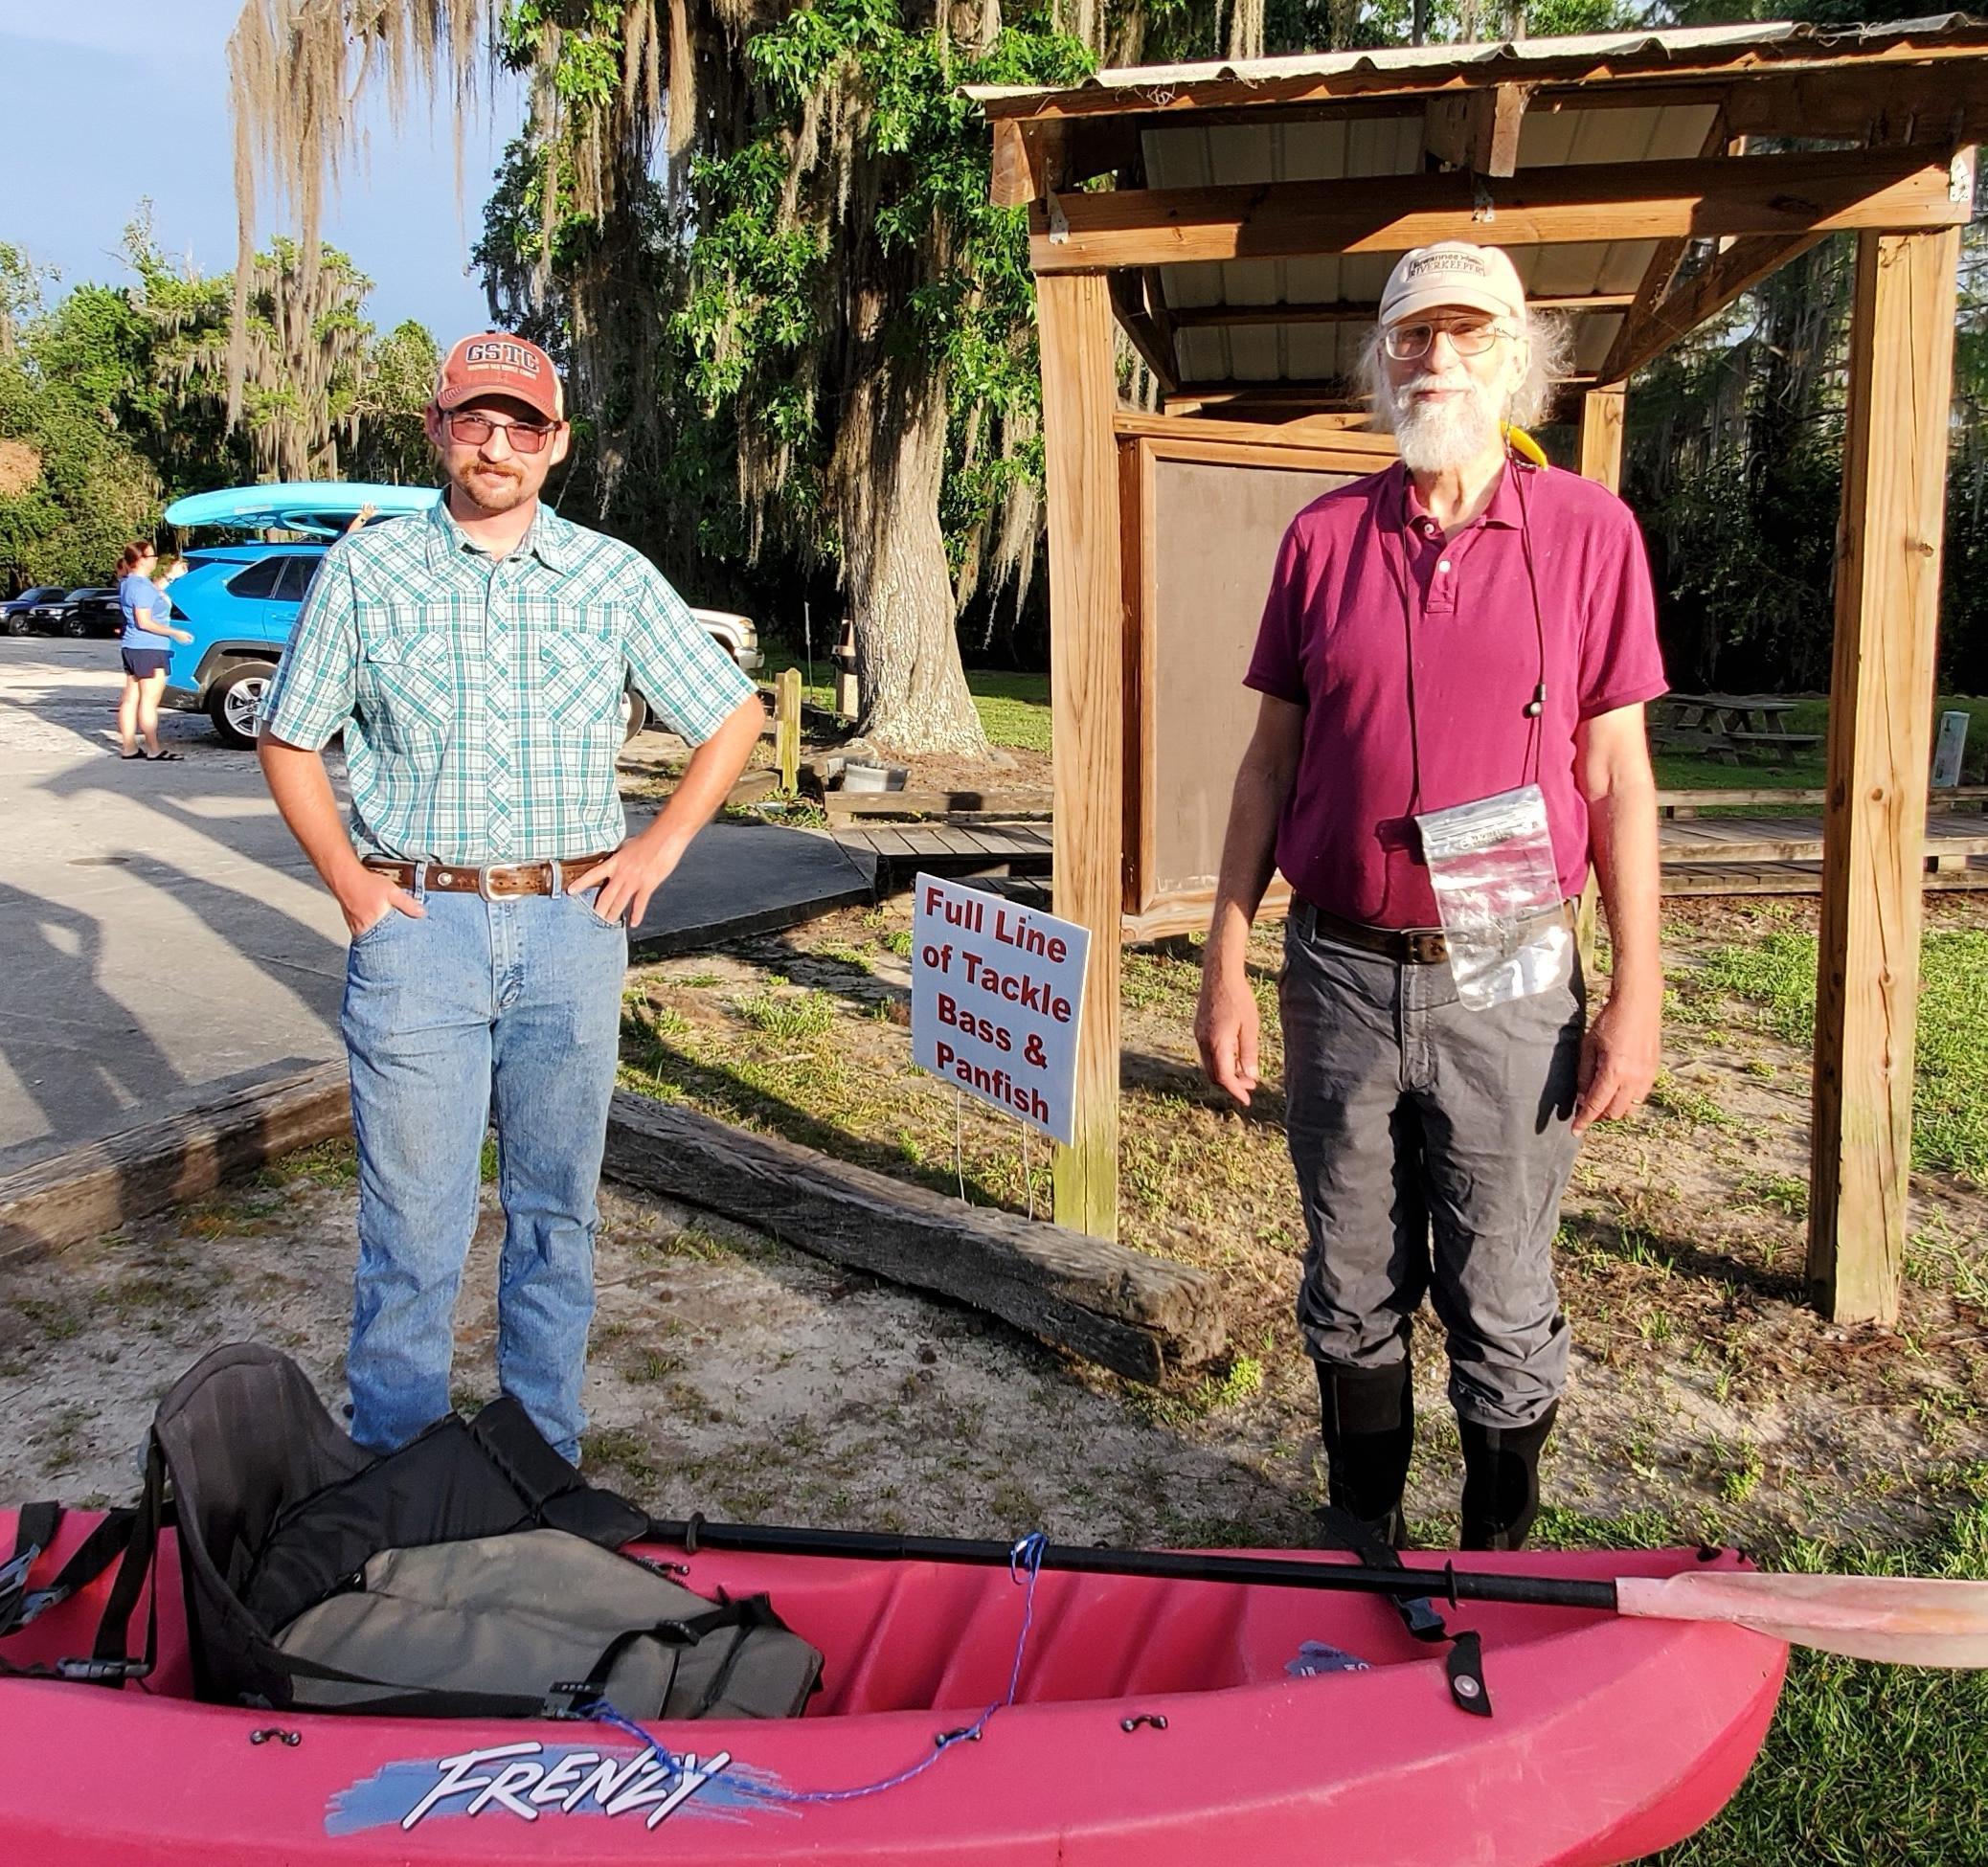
(628, 877)
(368, 897)
(1225, 1025)
(1620, 1056)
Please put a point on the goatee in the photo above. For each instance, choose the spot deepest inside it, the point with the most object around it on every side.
(490, 489)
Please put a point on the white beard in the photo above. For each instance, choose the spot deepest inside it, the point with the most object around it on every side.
(1435, 436)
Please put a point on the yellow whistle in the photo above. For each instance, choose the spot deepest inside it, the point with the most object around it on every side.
(1523, 445)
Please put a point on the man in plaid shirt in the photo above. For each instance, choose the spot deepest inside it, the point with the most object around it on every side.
(473, 658)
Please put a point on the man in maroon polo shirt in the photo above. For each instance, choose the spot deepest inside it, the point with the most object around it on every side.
(1458, 625)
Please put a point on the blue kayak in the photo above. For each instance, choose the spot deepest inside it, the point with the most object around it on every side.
(317, 507)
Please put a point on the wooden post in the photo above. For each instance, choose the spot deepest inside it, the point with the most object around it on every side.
(786, 728)
(1601, 459)
(1080, 392)
(1601, 435)
(848, 702)
(1887, 580)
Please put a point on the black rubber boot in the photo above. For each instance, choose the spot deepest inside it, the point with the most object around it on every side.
(1501, 1480)
(1368, 1425)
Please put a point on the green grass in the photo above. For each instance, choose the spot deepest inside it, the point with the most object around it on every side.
(1212, 1394)
(1865, 1766)
(1690, 771)
(1950, 1102)
(804, 1015)
(1014, 708)
(325, 1163)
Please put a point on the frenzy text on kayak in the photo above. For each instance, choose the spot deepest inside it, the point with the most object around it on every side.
(527, 1780)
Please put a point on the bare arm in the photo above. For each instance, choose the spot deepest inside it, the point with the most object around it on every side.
(643, 863)
(143, 618)
(1225, 1020)
(1623, 1045)
(302, 788)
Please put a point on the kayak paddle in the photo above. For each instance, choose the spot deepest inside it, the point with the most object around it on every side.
(1904, 1619)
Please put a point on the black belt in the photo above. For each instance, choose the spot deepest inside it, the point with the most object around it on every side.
(1406, 946)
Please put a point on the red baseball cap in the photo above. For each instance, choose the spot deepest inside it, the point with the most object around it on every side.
(495, 363)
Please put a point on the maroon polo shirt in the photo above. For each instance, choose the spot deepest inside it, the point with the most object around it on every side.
(1369, 602)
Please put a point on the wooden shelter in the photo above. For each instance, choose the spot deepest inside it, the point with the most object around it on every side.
(1642, 181)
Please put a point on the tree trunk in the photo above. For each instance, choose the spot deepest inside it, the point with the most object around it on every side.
(890, 460)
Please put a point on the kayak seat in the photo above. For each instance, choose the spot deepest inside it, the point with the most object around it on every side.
(472, 1572)
(244, 1438)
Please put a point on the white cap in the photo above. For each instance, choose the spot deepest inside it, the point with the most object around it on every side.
(1453, 273)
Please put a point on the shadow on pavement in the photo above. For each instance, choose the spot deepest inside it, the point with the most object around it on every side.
(63, 1017)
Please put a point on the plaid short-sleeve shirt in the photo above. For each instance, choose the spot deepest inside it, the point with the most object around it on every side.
(480, 699)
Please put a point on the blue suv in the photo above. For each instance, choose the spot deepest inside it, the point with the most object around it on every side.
(240, 600)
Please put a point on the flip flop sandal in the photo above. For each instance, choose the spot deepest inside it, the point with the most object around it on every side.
(159, 757)
(131, 754)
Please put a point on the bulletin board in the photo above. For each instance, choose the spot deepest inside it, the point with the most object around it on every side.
(1204, 505)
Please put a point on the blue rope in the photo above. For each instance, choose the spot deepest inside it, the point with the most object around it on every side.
(1023, 1566)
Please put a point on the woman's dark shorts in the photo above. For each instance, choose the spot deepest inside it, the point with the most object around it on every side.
(142, 663)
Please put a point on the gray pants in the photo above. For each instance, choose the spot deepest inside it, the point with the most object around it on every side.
(1411, 1116)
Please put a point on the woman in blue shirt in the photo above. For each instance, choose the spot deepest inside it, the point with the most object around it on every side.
(147, 631)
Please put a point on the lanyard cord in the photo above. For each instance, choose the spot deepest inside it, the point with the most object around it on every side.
(1403, 572)
(1536, 707)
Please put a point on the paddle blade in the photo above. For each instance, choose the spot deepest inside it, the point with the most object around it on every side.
(1903, 1619)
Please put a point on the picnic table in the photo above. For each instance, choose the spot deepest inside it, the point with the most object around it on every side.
(1725, 724)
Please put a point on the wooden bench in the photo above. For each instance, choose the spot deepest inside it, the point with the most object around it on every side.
(1720, 724)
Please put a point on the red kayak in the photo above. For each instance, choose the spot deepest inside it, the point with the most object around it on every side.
(1153, 1721)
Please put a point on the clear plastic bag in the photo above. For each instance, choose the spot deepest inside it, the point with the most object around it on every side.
(1498, 894)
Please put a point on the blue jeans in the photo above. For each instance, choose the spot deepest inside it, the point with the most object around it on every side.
(485, 1009)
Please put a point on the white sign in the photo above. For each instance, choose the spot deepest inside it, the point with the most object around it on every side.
(997, 991)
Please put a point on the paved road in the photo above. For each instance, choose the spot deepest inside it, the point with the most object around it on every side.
(160, 937)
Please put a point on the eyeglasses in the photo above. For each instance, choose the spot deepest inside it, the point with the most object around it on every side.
(473, 430)
(1405, 342)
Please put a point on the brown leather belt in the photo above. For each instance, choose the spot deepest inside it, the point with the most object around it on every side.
(1406, 946)
(497, 882)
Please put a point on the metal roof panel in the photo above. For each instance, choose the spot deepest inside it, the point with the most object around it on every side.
(1775, 42)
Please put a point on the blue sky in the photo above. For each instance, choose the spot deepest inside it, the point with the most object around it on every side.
(105, 102)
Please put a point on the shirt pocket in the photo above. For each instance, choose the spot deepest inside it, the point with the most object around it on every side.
(408, 689)
(580, 680)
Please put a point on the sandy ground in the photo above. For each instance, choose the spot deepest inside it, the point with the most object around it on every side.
(734, 1376)
(729, 1375)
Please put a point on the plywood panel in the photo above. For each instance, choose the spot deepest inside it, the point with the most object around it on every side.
(1216, 532)
(1203, 517)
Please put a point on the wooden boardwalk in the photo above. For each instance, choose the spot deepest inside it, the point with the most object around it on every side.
(903, 851)
(1950, 838)
(1701, 855)
(1791, 878)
